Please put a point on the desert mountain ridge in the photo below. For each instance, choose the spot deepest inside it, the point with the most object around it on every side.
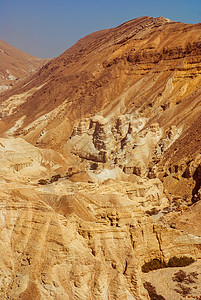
(16, 65)
(147, 69)
(101, 177)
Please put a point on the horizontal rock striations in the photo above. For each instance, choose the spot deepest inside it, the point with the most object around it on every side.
(101, 168)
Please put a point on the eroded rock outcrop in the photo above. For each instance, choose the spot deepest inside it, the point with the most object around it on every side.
(89, 241)
(119, 141)
(108, 178)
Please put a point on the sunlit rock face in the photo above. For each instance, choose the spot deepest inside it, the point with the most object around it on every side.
(101, 167)
(116, 142)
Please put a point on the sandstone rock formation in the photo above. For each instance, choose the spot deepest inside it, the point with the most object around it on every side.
(101, 167)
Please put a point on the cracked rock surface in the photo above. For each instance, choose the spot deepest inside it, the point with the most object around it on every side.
(101, 168)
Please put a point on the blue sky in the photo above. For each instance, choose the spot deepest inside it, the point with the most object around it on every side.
(47, 28)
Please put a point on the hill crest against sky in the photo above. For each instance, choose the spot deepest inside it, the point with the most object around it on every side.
(46, 29)
(102, 168)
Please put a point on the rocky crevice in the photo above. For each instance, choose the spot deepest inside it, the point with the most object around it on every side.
(118, 142)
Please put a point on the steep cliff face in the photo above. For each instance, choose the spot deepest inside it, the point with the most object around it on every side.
(102, 166)
(147, 69)
(64, 237)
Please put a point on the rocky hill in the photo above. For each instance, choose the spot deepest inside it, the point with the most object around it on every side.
(102, 168)
(16, 65)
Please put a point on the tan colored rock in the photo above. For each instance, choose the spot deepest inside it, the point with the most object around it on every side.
(100, 156)
(78, 239)
(166, 285)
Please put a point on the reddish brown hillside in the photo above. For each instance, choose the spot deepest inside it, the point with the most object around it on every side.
(15, 65)
(148, 68)
(116, 189)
